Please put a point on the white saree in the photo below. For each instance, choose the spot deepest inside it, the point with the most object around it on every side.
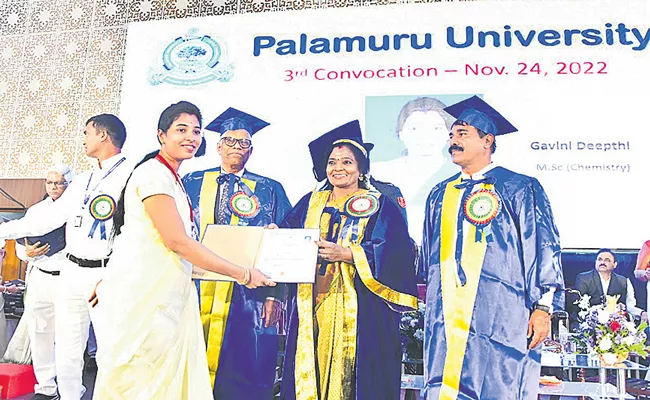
(153, 347)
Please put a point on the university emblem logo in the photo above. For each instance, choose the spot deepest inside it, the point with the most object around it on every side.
(192, 60)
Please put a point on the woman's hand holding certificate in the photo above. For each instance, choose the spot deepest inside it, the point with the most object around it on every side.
(283, 255)
(332, 252)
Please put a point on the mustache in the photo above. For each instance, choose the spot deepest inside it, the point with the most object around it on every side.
(455, 147)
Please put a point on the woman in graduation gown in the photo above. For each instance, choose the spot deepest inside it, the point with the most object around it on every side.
(156, 348)
(343, 340)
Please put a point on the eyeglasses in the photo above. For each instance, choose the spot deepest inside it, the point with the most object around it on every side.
(231, 141)
(57, 184)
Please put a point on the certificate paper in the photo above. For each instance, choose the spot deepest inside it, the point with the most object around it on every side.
(284, 255)
(288, 255)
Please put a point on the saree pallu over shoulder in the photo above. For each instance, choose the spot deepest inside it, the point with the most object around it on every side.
(156, 349)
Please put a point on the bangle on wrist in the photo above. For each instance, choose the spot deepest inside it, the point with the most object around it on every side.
(247, 277)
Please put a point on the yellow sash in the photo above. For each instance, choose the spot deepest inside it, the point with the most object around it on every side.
(305, 365)
(305, 373)
(457, 301)
(215, 295)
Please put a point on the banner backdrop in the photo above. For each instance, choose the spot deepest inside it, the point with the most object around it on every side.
(571, 76)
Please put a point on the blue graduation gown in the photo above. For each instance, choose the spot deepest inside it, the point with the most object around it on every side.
(516, 261)
(242, 355)
(392, 192)
(387, 262)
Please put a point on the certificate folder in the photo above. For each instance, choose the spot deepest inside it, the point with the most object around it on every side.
(56, 240)
(284, 255)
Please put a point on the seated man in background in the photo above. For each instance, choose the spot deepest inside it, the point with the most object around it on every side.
(642, 271)
(602, 281)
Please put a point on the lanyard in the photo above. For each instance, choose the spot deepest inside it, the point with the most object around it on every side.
(178, 180)
(86, 194)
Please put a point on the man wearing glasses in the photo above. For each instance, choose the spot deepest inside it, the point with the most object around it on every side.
(240, 324)
(45, 260)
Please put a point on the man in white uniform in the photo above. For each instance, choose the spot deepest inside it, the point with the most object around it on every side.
(46, 258)
(87, 209)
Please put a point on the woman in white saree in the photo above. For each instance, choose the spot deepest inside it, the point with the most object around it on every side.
(156, 348)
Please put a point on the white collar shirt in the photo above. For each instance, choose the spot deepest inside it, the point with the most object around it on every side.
(630, 300)
(73, 209)
(239, 174)
(46, 263)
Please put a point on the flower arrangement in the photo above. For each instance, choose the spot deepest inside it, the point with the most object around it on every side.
(607, 329)
(412, 333)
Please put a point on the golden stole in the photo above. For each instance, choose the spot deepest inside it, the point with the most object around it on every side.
(457, 301)
(215, 295)
(335, 316)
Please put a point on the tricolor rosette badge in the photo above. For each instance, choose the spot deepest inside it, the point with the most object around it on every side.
(102, 209)
(481, 207)
(362, 205)
(244, 206)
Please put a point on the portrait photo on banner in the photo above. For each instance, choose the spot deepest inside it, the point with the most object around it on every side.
(411, 137)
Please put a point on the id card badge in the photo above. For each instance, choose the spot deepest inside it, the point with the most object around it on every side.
(77, 221)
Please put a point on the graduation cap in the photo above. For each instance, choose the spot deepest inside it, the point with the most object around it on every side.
(481, 115)
(321, 147)
(201, 150)
(233, 119)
